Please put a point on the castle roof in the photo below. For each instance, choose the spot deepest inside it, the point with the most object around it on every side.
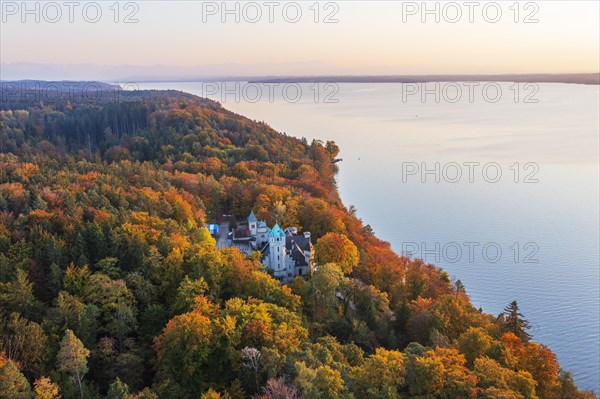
(299, 240)
(276, 232)
(296, 244)
(252, 217)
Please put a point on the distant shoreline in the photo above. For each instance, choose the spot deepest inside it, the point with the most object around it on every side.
(583, 78)
(569, 78)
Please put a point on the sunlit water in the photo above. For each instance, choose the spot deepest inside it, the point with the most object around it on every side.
(531, 236)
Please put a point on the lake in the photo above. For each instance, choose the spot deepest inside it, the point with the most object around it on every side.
(496, 183)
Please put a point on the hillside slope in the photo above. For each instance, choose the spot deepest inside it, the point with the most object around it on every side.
(110, 286)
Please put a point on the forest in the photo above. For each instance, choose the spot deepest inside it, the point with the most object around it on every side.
(112, 287)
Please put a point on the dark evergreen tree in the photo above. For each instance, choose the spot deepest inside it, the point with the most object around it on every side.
(460, 287)
(515, 323)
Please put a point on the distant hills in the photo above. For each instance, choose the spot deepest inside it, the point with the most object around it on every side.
(57, 84)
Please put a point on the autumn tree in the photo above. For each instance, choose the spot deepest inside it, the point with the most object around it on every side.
(322, 382)
(211, 394)
(13, 384)
(493, 378)
(117, 390)
(474, 343)
(186, 293)
(337, 248)
(321, 292)
(183, 350)
(278, 389)
(381, 376)
(72, 358)
(426, 376)
(23, 341)
(542, 363)
(332, 148)
(44, 388)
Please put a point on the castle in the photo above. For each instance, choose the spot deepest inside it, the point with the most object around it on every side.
(284, 251)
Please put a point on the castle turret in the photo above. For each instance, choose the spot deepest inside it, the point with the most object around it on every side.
(252, 222)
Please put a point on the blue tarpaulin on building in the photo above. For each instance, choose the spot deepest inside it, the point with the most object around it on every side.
(213, 228)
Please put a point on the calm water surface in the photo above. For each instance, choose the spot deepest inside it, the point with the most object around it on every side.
(531, 236)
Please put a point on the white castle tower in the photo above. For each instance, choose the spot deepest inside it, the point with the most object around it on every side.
(277, 258)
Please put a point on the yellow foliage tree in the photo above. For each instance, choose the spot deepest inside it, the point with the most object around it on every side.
(337, 248)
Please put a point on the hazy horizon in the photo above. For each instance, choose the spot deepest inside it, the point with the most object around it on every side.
(166, 73)
(191, 39)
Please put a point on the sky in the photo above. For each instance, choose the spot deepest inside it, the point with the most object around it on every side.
(120, 40)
